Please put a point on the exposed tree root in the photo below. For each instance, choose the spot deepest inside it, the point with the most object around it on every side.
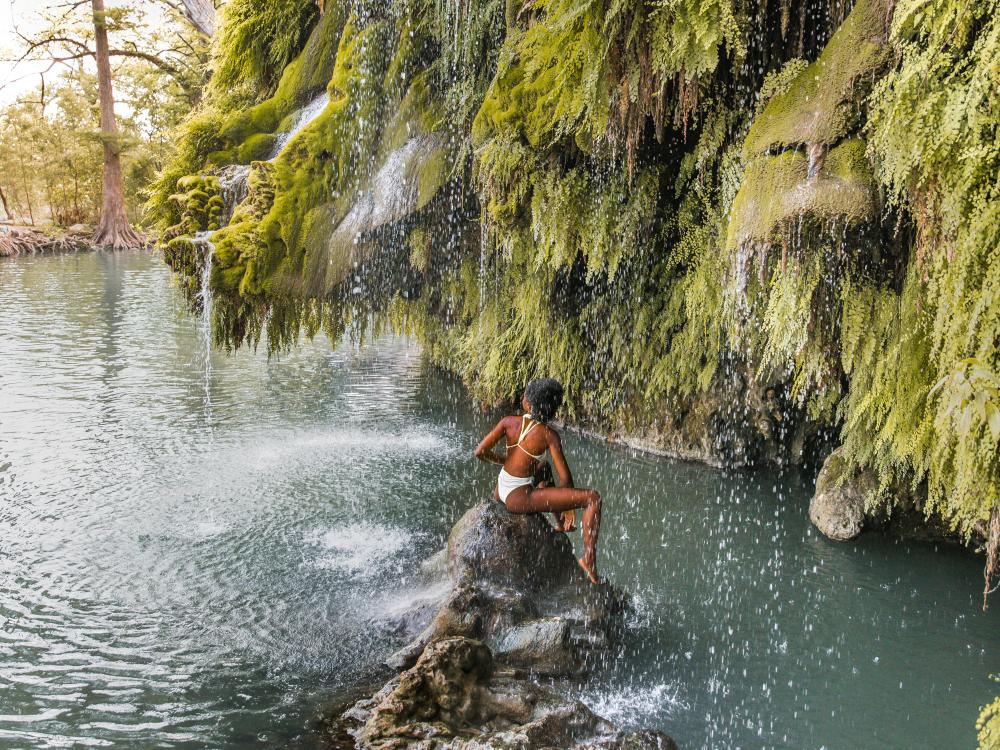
(25, 241)
(113, 235)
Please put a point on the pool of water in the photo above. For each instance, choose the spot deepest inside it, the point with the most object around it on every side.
(201, 550)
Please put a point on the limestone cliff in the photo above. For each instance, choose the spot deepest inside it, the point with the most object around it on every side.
(737, 231)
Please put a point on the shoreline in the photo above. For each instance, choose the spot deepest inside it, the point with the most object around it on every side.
(17, 240)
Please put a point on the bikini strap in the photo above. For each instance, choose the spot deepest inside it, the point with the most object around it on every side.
(526, 429)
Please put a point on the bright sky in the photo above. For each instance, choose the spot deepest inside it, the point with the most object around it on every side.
(27, 17)
(24, 14)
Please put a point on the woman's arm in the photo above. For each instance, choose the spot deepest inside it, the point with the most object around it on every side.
(562, 468)
(484, 451)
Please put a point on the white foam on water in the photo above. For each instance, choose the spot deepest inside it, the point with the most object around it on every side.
(205, 529)
(636, 706)
(358, 548)
(413, 598)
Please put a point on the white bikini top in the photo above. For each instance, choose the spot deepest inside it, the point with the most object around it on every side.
(527, 425)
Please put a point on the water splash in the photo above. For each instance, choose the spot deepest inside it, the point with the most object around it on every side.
(637, 706)
(205, 298)
(305, 116)
(359, 549)
(233, 186)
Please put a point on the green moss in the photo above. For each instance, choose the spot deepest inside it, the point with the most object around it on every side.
(262, 118)
(257, 40)
(255, 148)
(431, 174)
(822, 104)
(198, 138)
(197, 205)
(777, 195)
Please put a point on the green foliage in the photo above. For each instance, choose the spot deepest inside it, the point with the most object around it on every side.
(51, 156)
(257, 39)
(585, 66)
(988, 726)
(821, 105)
(934, 128)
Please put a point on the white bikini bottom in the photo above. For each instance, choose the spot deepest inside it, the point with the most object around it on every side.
(507, 483)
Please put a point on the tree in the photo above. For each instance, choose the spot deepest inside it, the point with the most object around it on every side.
(6, 204)
(114, 229)
(200, 13)
(163, 59)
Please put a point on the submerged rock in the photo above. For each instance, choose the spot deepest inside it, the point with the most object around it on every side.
(838, 507)
(519, 606)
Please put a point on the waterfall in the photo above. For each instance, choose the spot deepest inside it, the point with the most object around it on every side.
(205, 297)
(233, 188)
(305, 116)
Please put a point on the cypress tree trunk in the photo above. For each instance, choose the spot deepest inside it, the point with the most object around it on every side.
(201, 13)
(113, 228)
(6, 206)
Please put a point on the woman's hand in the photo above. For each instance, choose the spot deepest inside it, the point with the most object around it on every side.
(484, 451)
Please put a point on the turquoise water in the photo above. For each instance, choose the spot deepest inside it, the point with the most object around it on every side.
(195, 556)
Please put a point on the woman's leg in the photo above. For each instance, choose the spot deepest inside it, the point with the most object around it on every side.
(565, 521)
(559, 500)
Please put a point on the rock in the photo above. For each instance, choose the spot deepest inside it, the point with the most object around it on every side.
(543, 645)
(516, 586)
(838, 507)
(518, 606)
(495, 548)
(453, 698)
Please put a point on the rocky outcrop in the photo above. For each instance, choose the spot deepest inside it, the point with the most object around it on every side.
(517, 588)
(842, 508)
(519, 606)
(838, 505)
(456, 697)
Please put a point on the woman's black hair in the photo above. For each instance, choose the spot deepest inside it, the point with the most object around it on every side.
(545, 396)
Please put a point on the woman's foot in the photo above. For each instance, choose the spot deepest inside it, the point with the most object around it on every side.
(590, 571)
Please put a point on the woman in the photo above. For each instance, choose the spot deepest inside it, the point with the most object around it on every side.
(527, 438)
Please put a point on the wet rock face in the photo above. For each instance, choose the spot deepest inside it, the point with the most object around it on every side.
(519, 606)
(495, 548)
(838, 507)
(517, 587)
(744, 422)
(453, 697)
